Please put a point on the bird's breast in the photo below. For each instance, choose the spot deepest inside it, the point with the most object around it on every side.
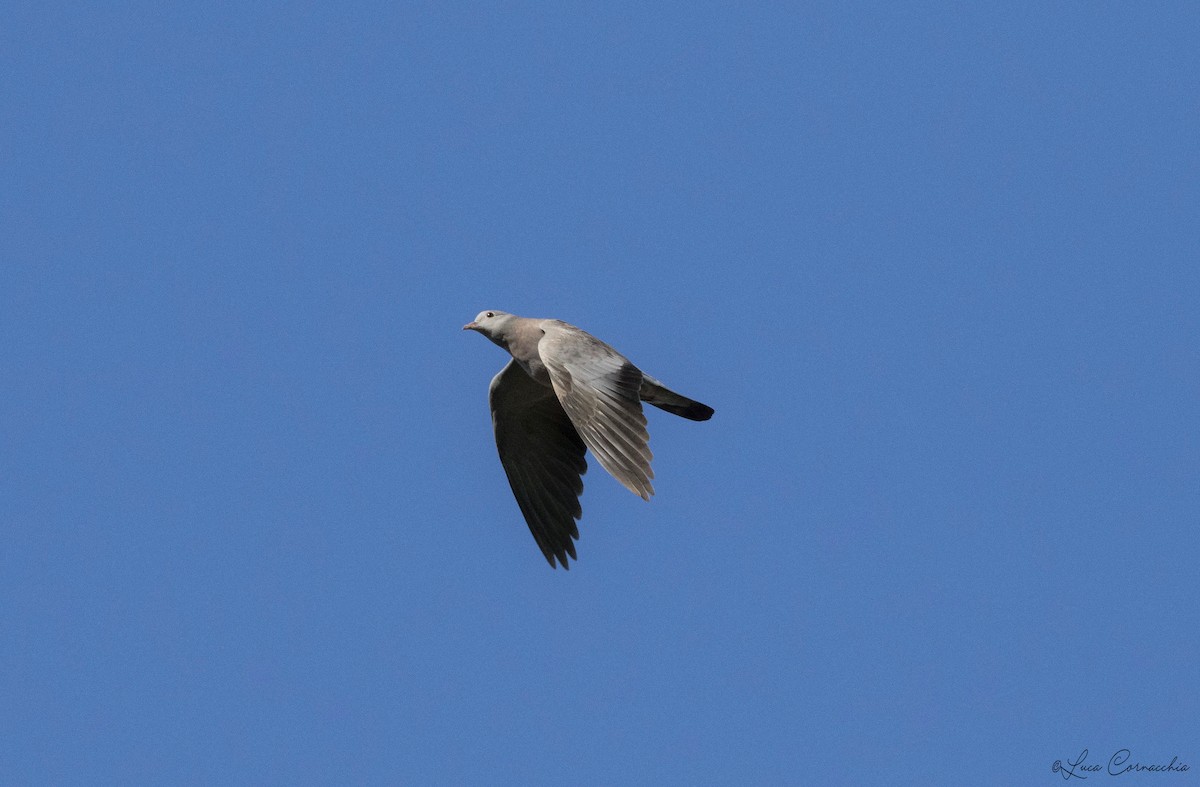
(537, 370)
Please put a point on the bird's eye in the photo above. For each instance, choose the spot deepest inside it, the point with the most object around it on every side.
(491, 314)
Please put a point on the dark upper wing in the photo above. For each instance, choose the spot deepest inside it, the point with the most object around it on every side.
(599, 388)
(542, 456)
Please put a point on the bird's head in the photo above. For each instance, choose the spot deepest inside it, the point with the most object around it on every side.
(490, 323)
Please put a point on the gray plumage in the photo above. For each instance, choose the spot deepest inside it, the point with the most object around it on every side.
(565, 391)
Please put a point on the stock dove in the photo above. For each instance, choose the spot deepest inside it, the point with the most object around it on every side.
(564, 391)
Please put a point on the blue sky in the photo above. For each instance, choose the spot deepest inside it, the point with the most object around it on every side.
(935, 267)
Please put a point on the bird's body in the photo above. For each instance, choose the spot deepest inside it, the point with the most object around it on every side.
(565, 391)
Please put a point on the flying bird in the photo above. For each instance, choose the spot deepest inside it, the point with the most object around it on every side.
(565, 391)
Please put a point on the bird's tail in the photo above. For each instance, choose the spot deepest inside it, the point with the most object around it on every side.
(664, 398)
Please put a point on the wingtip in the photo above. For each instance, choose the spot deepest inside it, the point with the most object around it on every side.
(555, 560)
